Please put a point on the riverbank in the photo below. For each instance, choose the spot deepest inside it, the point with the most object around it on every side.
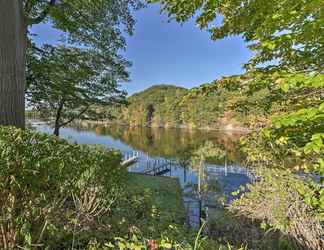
(226, 128)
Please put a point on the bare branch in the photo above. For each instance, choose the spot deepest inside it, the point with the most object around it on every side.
(75, 117)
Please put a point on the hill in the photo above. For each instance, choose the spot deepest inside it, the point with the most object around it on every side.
(153, 107)
(228, 103)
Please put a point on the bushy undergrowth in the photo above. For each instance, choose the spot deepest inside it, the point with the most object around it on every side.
(51, 190)
(227, 226)
(286, 203)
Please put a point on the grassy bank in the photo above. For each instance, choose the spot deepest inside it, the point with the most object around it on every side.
(167, 196)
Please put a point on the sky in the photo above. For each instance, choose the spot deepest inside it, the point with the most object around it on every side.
(165, 52)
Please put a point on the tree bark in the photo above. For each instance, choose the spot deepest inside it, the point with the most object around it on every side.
(56, 130)
(13, 40)
(57, 124)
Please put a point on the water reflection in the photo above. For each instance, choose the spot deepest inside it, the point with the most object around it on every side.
(169, 143)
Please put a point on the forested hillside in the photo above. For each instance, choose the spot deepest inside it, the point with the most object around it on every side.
(153, 107)
(230, 103)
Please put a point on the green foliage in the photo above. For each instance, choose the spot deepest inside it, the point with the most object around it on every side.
(285, 99)
(96, 26)
(282, 33)
(288, 106)
(287, 110)
(285, 202)
(43, 184)
(170, 239)
(58, 195)
(226, 226)
(294, 137)
(208, 151)
(91, 81)
(153, 107)
(163, 199)
(291, 144)
(226, 103)
(92, 24)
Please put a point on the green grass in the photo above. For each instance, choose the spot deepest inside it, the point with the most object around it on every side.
(166, 193)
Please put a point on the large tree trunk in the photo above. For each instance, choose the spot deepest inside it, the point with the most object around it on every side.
(13, 42)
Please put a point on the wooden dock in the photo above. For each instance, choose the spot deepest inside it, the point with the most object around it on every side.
(225, 170)
(158, 167)
(130, 158)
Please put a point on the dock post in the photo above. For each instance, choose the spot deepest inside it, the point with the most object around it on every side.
(226, 164)
(199, 210)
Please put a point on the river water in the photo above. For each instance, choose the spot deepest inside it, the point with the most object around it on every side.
(159, 145)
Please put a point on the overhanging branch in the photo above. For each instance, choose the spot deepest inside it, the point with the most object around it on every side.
(28, 7)
(75, 117)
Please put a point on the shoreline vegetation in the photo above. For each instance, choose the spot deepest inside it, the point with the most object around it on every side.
(227, 128)
(224, 104)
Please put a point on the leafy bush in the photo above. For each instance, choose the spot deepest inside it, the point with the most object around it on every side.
(288, 203)
(290, 147)
(294, 139)
(171, 238)
(51, 189)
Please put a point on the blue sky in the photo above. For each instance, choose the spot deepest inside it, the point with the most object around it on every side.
(169, 53)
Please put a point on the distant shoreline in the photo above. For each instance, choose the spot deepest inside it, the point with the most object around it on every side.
(226, 128)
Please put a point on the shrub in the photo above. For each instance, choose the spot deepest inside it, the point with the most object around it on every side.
(170, 239)
(285, 202)
(51, 189)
